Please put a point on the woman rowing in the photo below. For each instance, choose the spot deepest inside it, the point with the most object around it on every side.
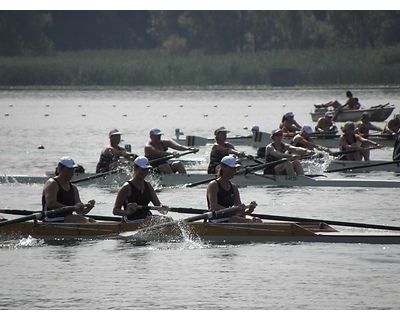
(364, 125)
(158, 148)
(220, 149)
(137, 193)
(222, 193)
(288, 124)
(277, 150)
(110, 155)
(304, 140)
(59, 192)
(350, 141)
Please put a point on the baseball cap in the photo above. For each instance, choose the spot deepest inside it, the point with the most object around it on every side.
(230, 161)
(67, 162)
(114, 132)
(220, 129)
(307, 129)
(156, 132)
(142, 162)
(255, 128)
(276, 131)
(289, 114)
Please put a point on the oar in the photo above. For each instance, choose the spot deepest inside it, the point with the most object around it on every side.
(350, 151)
(98, 175)
(175, 155)
(364, 166)
(17, 212)
(332, 222)
(41, 215)
(207, 215)
(176, 209)
(247, 170)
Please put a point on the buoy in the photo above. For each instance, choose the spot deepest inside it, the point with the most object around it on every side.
(215, 106)
(148, 106)
(40, 146)
(46, 114)
(164, 115)
(249, 106)
(47, 105)
(124, 115)
(181, 106)
(83, 114)
(246, 115)
(10, 105)
(205, 115)
(6, 114)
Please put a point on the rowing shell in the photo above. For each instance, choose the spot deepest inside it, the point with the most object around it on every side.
(372, 165)
(261, 139)
(254, 179)
(212, 232)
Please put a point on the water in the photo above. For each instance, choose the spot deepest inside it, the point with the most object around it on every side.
(188, 275)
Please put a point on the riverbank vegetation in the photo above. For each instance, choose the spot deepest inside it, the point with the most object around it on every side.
(199, 48)
(311, 67)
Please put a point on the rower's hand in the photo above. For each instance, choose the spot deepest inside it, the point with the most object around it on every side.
(133, 207)
(242, 155)
(176, 154)
(163, 209)
(379, 146)
(252, 206)
(194, 150)
(91, 203)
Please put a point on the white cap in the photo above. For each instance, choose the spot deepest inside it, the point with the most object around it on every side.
(230, 161)
(220, 129)
(156, 132)
(329, 114)
(114, 132)
(289, 114)
(142, 162)
(307, 129)
(67, 162)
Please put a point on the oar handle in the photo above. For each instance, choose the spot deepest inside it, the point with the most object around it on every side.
(41, 215)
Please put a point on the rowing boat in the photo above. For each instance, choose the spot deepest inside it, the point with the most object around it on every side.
(242, 180)
(261, 139)
(363, 166)
(196, 141)
(206, 231)
(377, 114)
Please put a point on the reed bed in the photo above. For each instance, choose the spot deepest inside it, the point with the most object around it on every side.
(155, 68)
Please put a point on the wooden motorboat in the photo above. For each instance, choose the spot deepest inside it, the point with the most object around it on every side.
(378, 114)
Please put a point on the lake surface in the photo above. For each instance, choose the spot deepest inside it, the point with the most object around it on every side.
(188, 275)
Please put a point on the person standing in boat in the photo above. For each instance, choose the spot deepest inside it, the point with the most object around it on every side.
(220, 149)
(364, 125)
(352, 141)
(304, 140)
(136, 193)
(288, 124)
(59, 192)
(277, 150)
(392, 127)
(158, 148)
(222, 193)
(110, 155)
(325, 124)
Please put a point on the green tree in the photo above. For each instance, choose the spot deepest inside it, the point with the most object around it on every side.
(21, 33)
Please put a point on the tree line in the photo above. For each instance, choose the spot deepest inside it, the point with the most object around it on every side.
(32, 33)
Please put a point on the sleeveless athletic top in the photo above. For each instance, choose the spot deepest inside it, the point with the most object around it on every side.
(152, 158)
(271, 158)
(215, 160)
(140, 198)
(341, 148)
(225, 198)
(64, 197)
(105, 160)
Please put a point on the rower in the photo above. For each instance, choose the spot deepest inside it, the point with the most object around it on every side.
(326, 125)
(136, 193)
(109, 157)
(351, 141)
(222, 193)
(304, 140)
(59, 192)
(158, 148)
(288, 124)
(392, 127)
(364, 125)
(220, 149)
(278, 150)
